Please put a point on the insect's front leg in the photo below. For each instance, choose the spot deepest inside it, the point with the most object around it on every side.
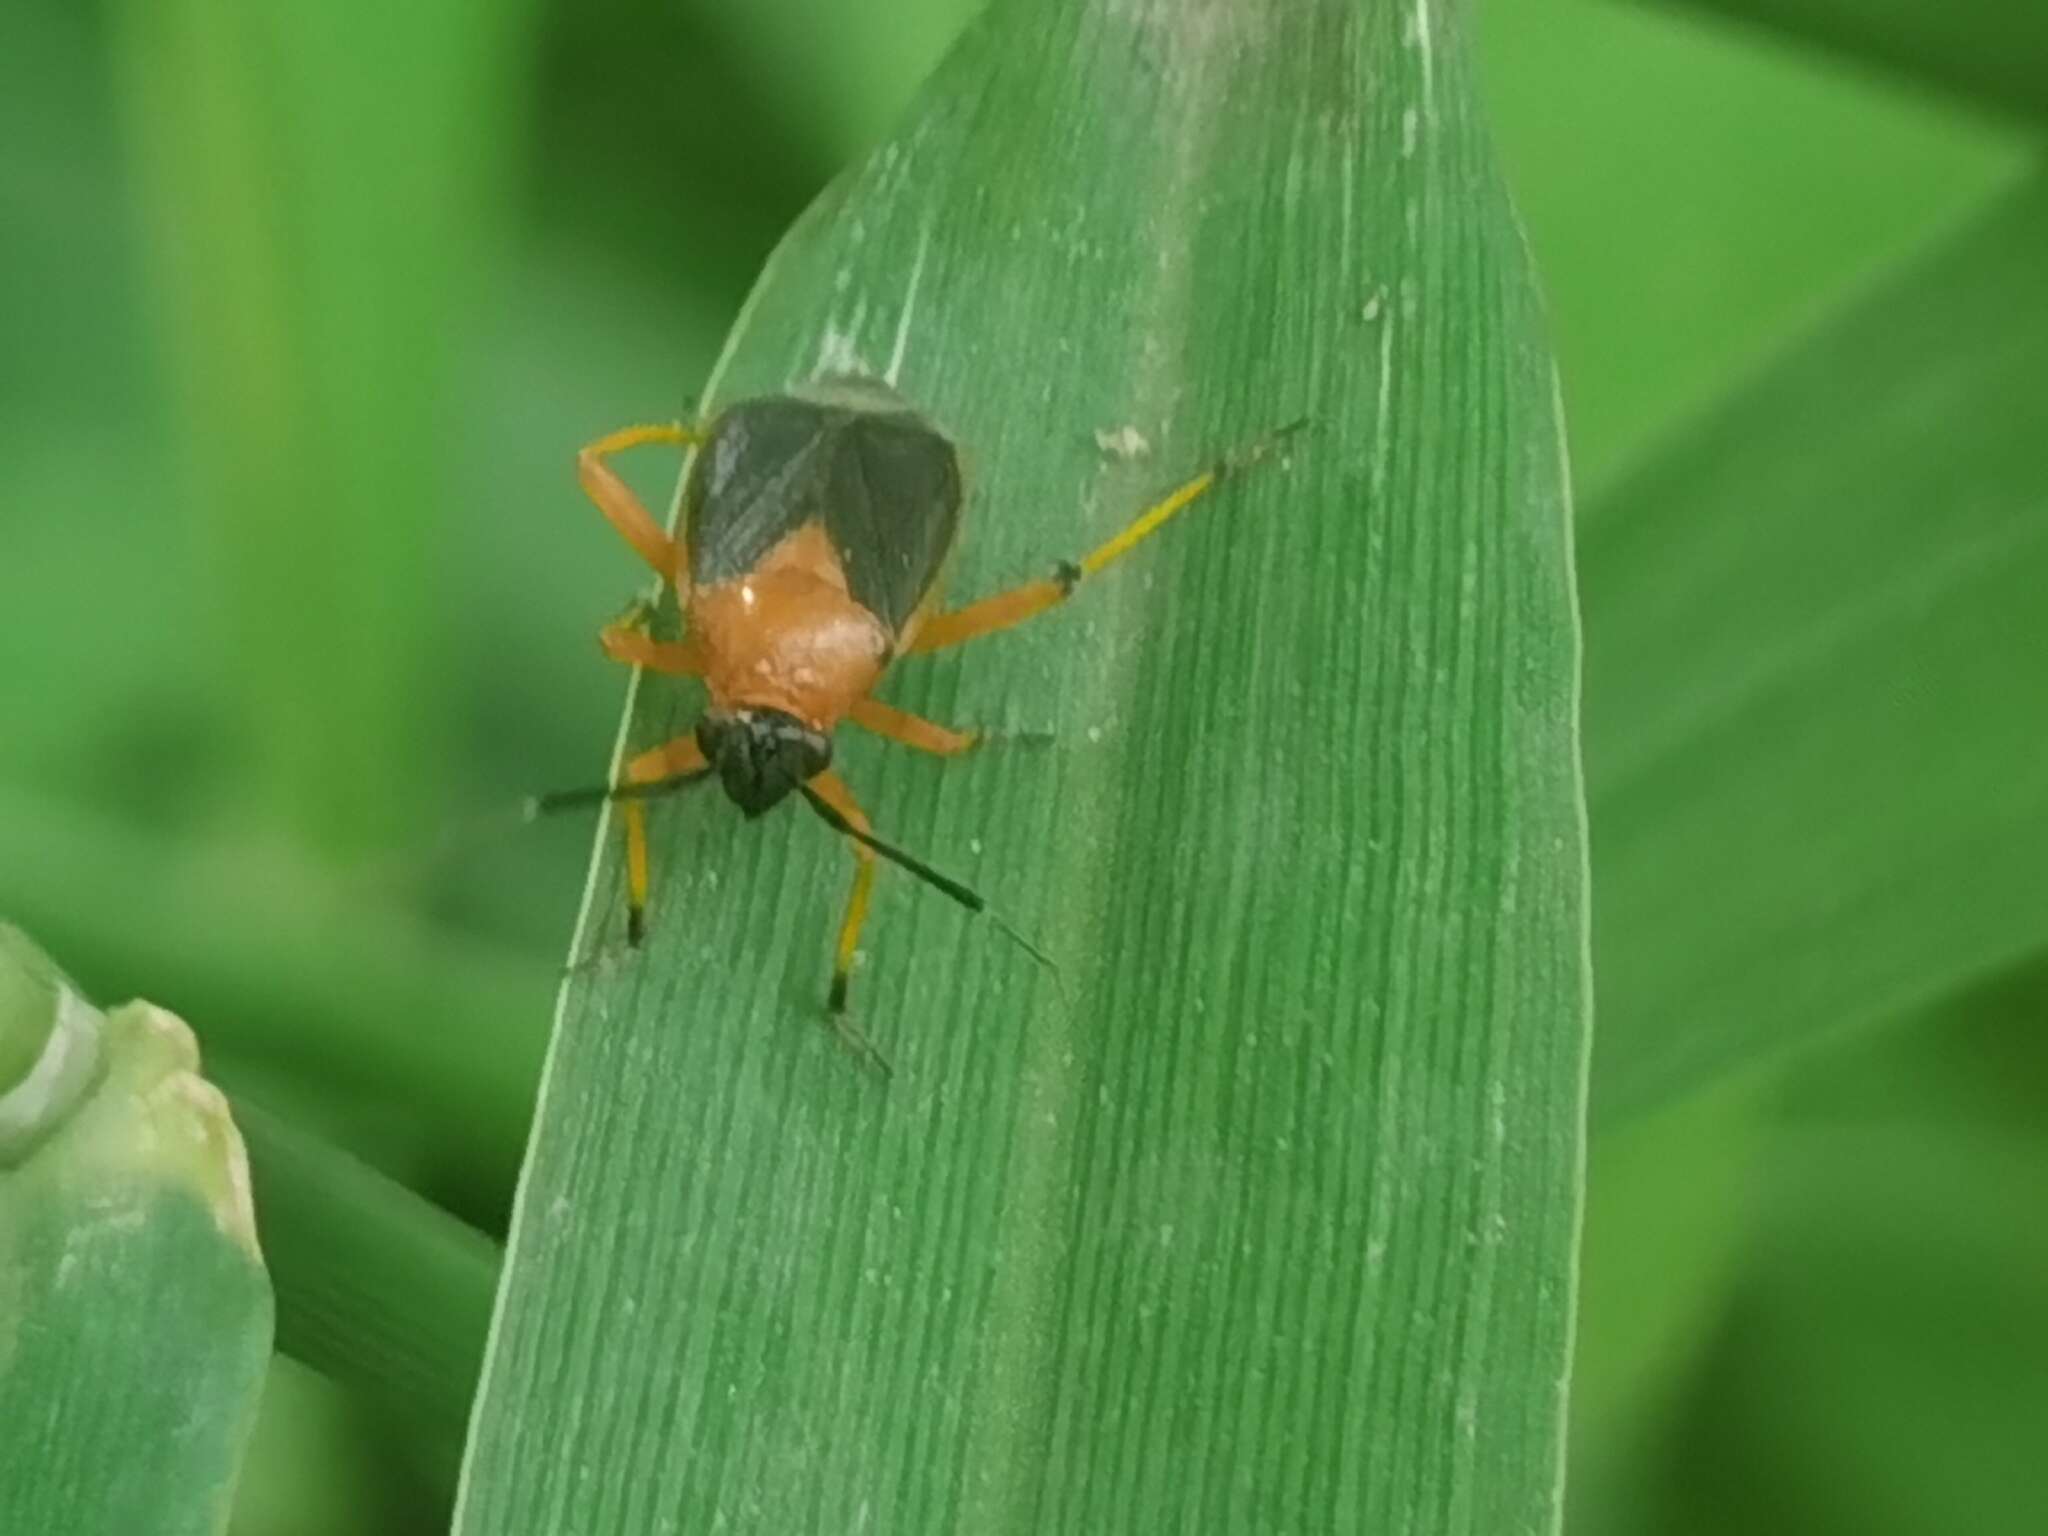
(681, 759)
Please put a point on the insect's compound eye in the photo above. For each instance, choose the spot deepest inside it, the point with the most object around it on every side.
(714, 734)
(814, 755)
(801, 753)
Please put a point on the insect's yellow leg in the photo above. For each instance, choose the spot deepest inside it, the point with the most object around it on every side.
(1005, 610)
(910, 730)
(635, 647)
(833, 791)
(635, 820)
(671, 760)
(615, 499)
(1008, 609)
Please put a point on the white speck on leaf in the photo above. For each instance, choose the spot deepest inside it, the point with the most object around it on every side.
(903, 315)
(1415, 33)
(839, 347)
(1383, 416)
(1126, 442)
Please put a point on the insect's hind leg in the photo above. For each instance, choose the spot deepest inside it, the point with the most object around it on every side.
(1008, 609)
(615, 499)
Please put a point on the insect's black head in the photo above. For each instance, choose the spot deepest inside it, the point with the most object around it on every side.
(761, 754)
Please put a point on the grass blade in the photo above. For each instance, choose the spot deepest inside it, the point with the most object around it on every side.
(376, 1288)
(1272, 1227)
(1815, 634)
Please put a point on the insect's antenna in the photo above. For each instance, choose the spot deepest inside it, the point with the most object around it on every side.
(636, 830)
(558, 800)
(456, 839)
(965, 895)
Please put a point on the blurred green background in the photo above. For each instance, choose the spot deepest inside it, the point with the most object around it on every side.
(304, 311)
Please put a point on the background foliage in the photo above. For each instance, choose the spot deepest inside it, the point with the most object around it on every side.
(439, 256)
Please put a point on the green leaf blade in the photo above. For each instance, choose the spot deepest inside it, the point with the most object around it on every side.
(1816, 685)
(1273, 1225)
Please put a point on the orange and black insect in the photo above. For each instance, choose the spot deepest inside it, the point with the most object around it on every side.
(815, 527)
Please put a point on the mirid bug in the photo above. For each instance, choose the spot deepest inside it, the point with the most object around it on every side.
(815, 527)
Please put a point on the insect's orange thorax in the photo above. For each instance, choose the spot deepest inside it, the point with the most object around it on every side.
(788, 635)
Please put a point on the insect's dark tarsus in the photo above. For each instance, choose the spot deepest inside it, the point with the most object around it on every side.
(815, 527)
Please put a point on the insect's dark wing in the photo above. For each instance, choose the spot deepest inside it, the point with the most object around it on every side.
(893, 510)
(762, 476)
(884, 482)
